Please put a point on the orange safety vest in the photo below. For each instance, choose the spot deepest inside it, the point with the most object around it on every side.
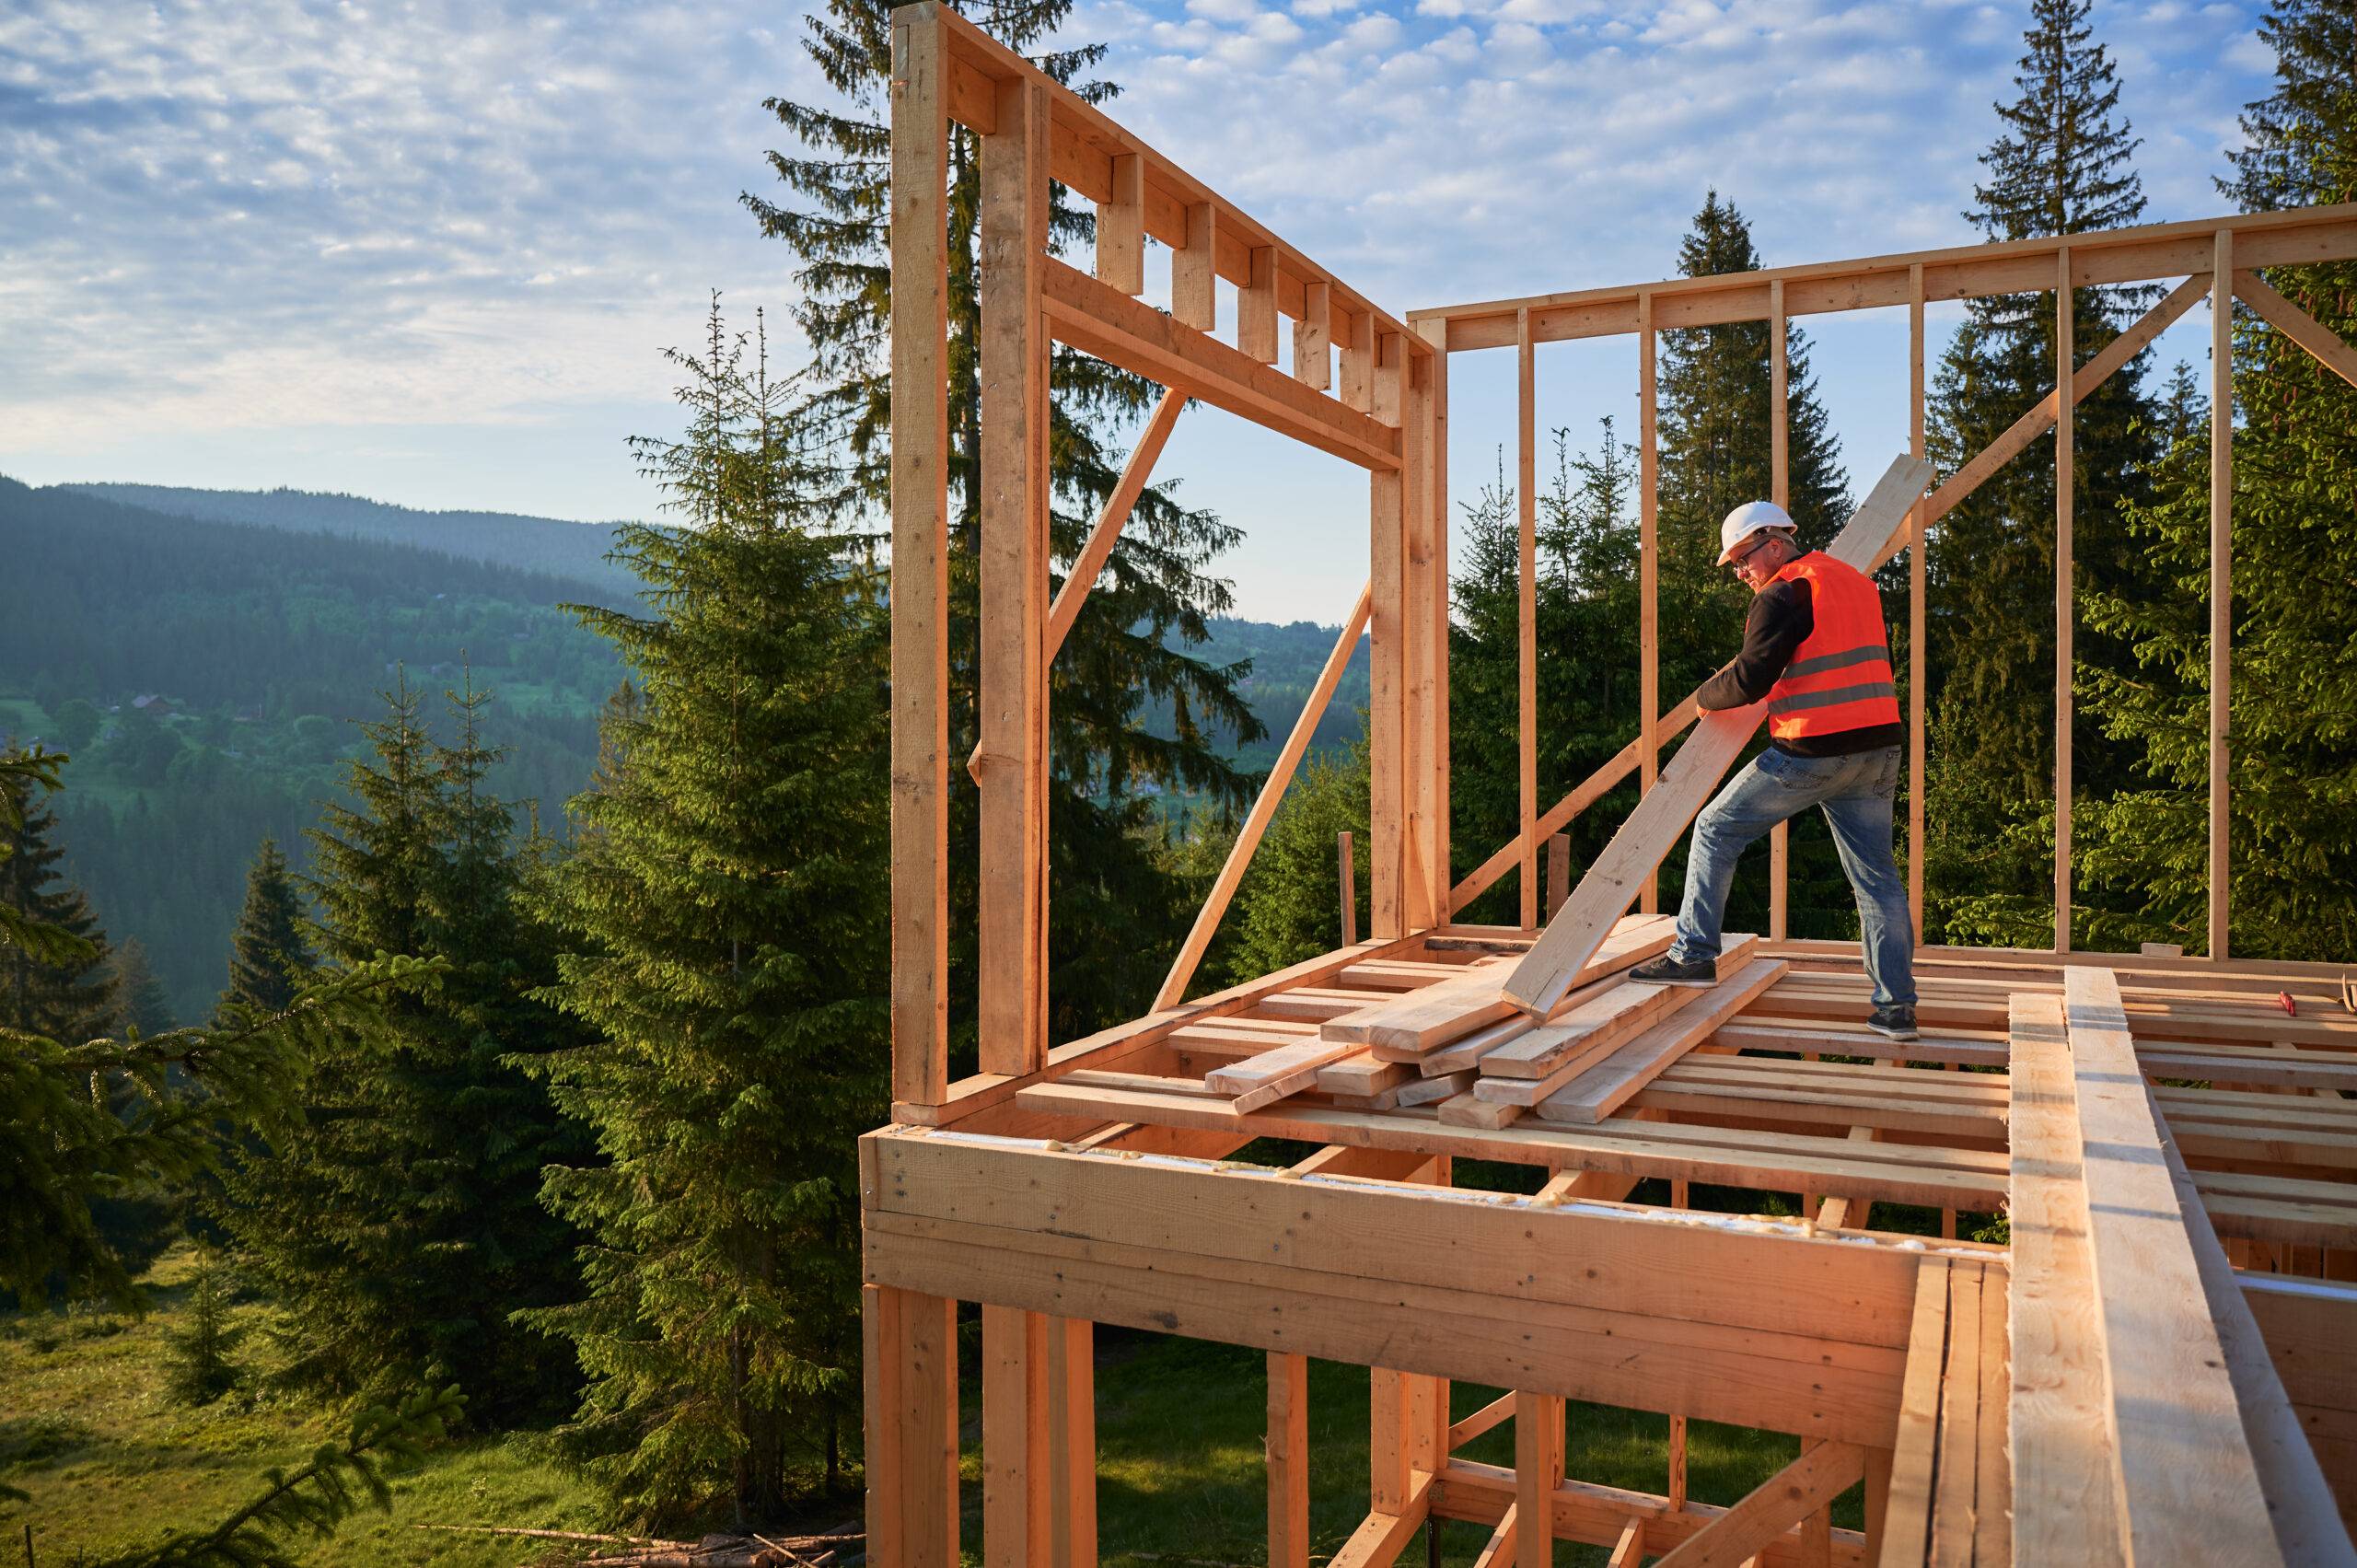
(1839, 677)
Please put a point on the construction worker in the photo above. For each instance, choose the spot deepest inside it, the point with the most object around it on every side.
(1814, 648)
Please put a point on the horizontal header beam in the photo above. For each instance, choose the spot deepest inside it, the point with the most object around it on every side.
(2113, 256)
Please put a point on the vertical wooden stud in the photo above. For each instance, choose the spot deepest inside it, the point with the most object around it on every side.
(1288, 1460)
(2065, 588)
(1386, 673)
(1436, 509)
(1194, 272)
(1388, 1438)
(1527, 612)
(2222, 572)
(1313, 336)
(1779, 839)
(1538, 1472)
(1878, 1467)
(910, 1343)
(1357, 384)
(920, 1005)
(1677, 1463)
(1421, 708)
(1648, 584)
(1256, 308)
(1014, 568)
(1559, 872)
(1918, 660)
(1350, 889)
(1121, 226)
(1014, 1436)
(1072, 1443)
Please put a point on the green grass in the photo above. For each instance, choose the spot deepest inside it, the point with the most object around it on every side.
(87, 1428)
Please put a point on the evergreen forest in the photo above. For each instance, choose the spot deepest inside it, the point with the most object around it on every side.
(443, 956)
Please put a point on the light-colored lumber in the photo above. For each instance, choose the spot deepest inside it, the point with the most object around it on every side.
(911, 1344)
(1255, 308)
(1605, 1087)
(1272, 1076)
(1387, 670)
(1129, 333)
(1361, 1072)
(1120, 221)
(1434, 1022)
(1649, 735)
(1264, 810)
(1288, 1460)
(1537, 1470)
(2222, 577)
(2065, 591)
(1426, 615)
(1651, 831)
(1194, 278)
(2296, 324)
(1114, 516)
(1610, 1016)
(1906, 1507)
(1954, 1489)
(1470, 1109)
(1780, 837)
(1628, 1551)
(1823, 1471)
(920, 998)
(1378, 1541)
(1355, 381)
(1349, 892)
(2188, 1483)
(1504, 1548)
(1313, 354)
(1014, 1437)
(1527, 618)
(1436, 1090)
(1489, 1416)
(1072, 1443)
(1918, 568)
(1011, 754)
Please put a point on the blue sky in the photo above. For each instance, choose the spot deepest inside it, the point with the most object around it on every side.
(429, 252)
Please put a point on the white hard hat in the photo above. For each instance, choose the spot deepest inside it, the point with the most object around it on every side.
(1749, 518)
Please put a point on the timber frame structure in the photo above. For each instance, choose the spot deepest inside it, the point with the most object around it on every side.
(2157, 1366)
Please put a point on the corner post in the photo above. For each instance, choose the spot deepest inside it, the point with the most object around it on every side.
(2222, 573)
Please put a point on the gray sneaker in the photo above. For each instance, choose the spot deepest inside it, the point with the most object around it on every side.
(1676, 970)
(1894, 1022)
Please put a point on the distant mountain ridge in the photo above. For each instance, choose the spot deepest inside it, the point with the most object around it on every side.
(549, 545)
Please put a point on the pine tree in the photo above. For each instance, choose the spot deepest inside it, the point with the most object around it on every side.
(400, 1225)
(139, 997)
(2059, 165)
(269, 957)
(199, 1368)
(724, 908)
(1289, 906)
(1115, 916)
(62, 987)
(2293, 771)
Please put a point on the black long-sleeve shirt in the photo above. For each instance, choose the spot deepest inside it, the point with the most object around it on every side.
(1780, 622)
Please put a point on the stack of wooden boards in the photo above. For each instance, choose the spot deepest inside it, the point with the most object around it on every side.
(1461, 1043)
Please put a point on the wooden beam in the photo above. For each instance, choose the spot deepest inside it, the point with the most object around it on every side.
(2065, 588)
(1072, 1443)
(1015, 1432)
(1312, 339)
(2221, 580)
(911, 1356)
(1649, 735)
(1134, 335)
(1823, 1472)
(1349, 892)
(1613, 1082)
(2065, 1469)
(2189, 1487)
(1538, 1472)
(1907, 1505)
(1378, 1541)
(1526, 620)
(2296, 324)
(1255, 308)
(1388, 672)
(1433, 367)
(1090, 563)
(920, 995)
(1572, 936)
(1917, 665)
(1012, 713)
(1264, 811)
(1356, 389)
(1780, 837)
(1288, 1460)
(1194, 273)
(1121, 220)
(1424, 619)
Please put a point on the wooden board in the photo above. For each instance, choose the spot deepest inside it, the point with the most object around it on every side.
(1607, 1086)
(1553, 964)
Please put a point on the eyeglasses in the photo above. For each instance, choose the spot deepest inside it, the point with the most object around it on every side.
(1737, 562)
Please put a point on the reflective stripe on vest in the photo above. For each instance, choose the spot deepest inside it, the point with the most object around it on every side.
(1840, 678)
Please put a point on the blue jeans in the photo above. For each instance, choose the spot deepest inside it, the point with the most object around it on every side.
(1855, 791)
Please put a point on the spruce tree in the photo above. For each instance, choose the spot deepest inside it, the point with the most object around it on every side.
(2061, 165)
(139, 997)
(61, 986)
(728, 943)
(2292, 774)
(1115, 915)
(400, 1224)
(268, 956)
(1289, 907)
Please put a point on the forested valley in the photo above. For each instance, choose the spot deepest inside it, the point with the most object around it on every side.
(445, 977)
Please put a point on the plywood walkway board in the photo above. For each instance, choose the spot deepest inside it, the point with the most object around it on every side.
(1612, 883)
(1610, 1084)
(2188, 1484)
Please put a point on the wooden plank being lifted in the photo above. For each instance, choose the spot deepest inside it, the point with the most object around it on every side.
(1611, 885)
